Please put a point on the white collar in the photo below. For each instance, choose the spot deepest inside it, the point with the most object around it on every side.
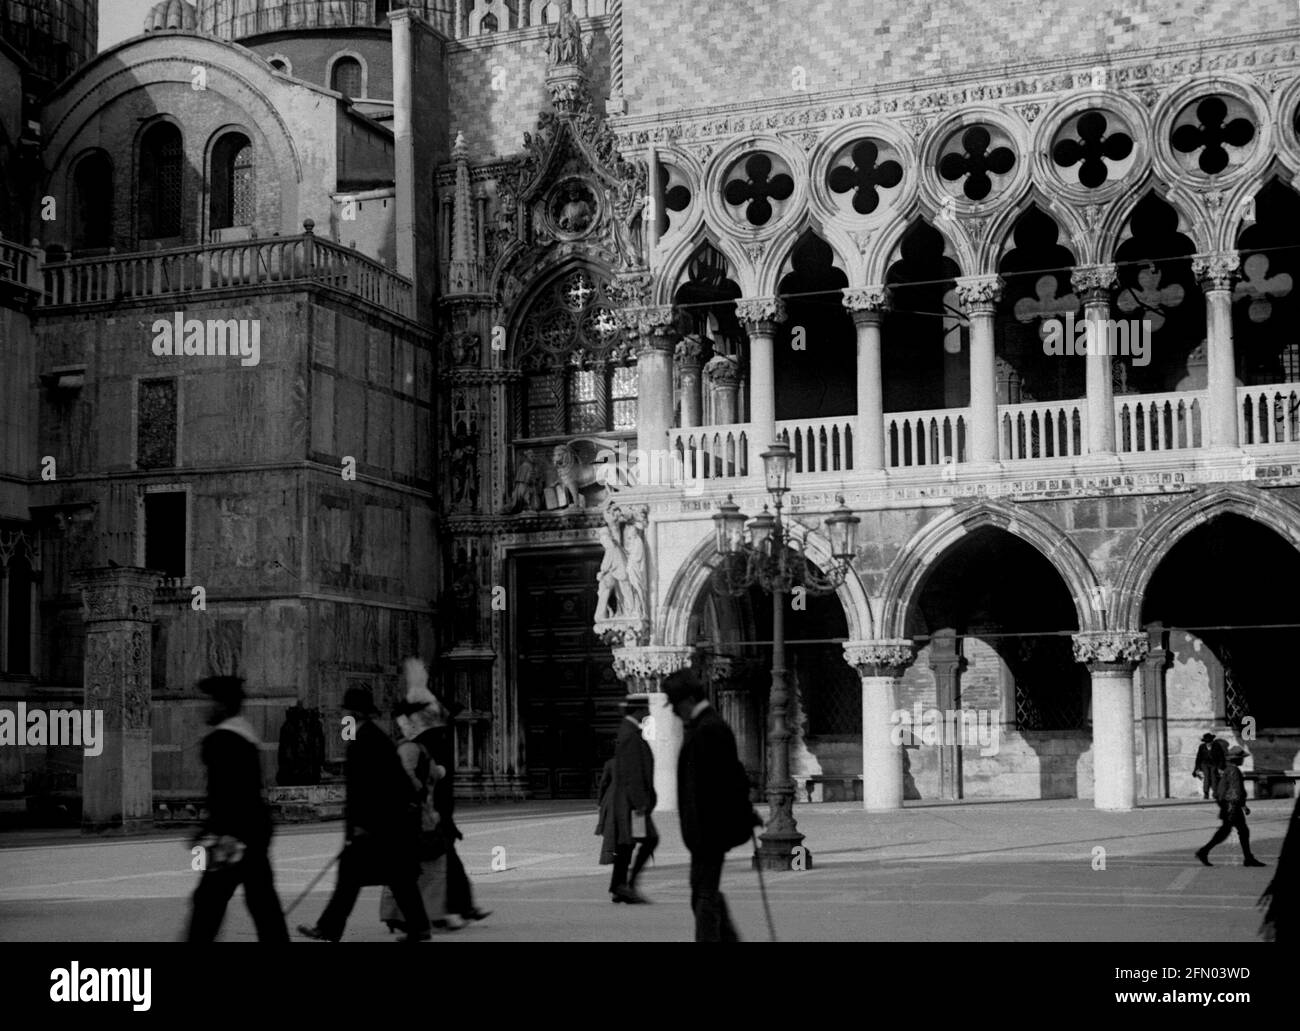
(700, 706)
(239, 725)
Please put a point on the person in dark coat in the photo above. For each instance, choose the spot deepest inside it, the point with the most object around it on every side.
(434, 729)
(236, 835)
(631, 799)
(1281, 898)
(1209, 763)
(1231, 795)
(382, 817)
(713, 800)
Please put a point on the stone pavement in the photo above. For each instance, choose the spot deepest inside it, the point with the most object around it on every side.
(932, 872)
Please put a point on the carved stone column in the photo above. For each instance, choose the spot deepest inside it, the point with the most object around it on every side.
(761, 315)
(117, 789)
(947, 663)
(689, 354)
(1218, 273)
(1152, 715)
(868, 305)
(1093, 284)
(736, 705)
(881, 664)
(653, 337)
(1111, 657)
(979, 295)
(722, 372)
(643, 668)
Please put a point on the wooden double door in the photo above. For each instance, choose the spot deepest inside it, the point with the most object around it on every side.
(568, 694)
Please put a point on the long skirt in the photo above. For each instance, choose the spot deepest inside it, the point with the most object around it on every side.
(433, 890)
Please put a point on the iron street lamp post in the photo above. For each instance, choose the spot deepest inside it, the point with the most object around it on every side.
(774, 560)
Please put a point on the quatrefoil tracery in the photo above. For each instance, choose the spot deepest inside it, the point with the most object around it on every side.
(1093, 148)
(976, 163)
(758, 189)
(1212, 134)
(866, 177)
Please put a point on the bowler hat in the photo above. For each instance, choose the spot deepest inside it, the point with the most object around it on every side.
(682, 685)
(228, 690)
(1207, 738)
(358, 699)
(1237, 752)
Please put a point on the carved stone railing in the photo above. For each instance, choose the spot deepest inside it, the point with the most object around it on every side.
(1269, 414)
(1158, 422)
(244, 264)
(1057, 429)
(820, 445)
(18, 266)
(713, 452)
(937, 437)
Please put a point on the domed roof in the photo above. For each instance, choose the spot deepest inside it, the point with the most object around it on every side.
(171, 14)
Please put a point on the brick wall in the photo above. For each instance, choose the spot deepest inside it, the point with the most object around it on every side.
(681, 54)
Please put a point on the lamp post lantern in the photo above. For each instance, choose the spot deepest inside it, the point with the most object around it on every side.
(774, 560)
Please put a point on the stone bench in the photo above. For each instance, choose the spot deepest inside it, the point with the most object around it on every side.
(845, 787)
(1264, 781)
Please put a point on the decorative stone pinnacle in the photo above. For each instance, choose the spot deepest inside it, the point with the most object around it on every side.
(883, 657)
(1217, 271)
(979, 295)
(460, 149)
(759, 310)
(1111, 647)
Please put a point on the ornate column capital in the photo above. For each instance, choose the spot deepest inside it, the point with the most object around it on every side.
(1094, 283)
(1217, 271)
(761, 313)
(979, 295)
(648, 327)
(723, 369)
(866, 303)
(883, 657)
(689, 352)
(116, 593)
(643, 666)
(1111, 649)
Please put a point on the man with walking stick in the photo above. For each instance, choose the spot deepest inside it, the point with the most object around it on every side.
(713, 798)
(382, 815)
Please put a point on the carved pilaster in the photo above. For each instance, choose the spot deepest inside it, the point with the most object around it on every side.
(979, 295)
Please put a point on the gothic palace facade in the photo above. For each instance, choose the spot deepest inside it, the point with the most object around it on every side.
(506, 294)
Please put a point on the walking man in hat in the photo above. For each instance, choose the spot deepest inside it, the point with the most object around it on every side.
(1231, 795)
(382, 817)
(632, 801)
(236, 836)
(713, 798)
(1209, 763)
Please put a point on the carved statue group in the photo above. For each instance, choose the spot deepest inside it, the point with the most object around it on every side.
(621, 582)
(564, 40)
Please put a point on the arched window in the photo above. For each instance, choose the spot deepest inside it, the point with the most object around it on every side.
(488, 24)
(346, 77)
(92, 201)
(161, 167)
(232, 182)
(580, 376)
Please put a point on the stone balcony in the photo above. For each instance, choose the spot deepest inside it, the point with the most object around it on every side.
(242, 266)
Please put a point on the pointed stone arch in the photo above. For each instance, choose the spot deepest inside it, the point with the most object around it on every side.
(676, 261)
(783, 246)
(1191, 217)
(692, 577)
(929, 544)
(998, 239)
(1155, 541)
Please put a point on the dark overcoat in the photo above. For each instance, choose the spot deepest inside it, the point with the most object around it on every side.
(235, 803)
(382, 802)
(712, 788)
(632, 785)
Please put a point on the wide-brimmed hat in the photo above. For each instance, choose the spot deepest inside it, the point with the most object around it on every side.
(227, 690)
(1237, 752)
(1207, 738)
(359, 699)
